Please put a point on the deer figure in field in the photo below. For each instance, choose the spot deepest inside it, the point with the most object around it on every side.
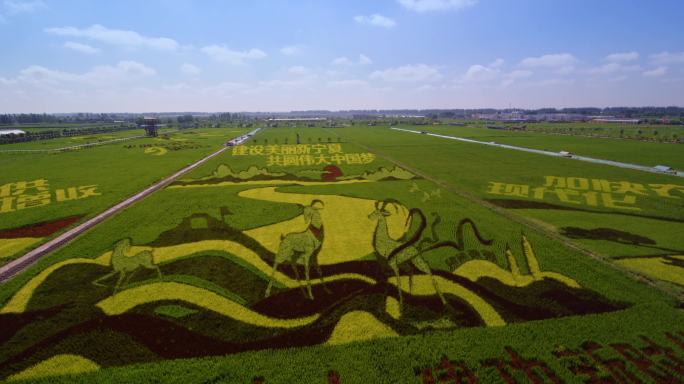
(395, 253)
(304, 246)
(126, 266)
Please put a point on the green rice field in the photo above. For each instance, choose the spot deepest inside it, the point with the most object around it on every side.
(346, 255)
(81, 183)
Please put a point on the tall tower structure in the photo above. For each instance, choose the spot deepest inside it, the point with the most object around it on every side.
(150, 126)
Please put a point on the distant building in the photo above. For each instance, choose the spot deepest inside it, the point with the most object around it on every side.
(298, 119)
(616, 120)
(7, 132)
(665, 169)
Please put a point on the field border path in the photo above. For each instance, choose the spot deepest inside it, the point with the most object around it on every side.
(547, 153)
(10, 269)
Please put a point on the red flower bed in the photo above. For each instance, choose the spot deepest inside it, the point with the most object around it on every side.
(43, 229)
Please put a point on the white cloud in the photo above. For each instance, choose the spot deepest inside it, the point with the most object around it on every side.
(101, 75)
(555, 82)
(513, 76)
(657, 72)
(344, 61)
(668, 58)
(557, 60)
(565, 70)
(364, 60)
(376, 20)
(123, 38)
(605, 69)
(224, 54)
(290, 50)
(479, 72)
(497, 63)
(190, 69)
(436, 5)
(491, 72)
(15, 7)
(408, 73)
(82, 48)
(612, 67)
(298, 70)
(621, 57)
(135, 68)
(348, 83)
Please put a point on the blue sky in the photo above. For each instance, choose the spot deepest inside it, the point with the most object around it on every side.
(259, 55)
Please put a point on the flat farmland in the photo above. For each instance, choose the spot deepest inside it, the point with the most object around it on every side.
(632, 216)
(43, 193)
(612, 148)
(356, 255)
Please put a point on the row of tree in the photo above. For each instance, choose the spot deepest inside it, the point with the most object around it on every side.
(44, 118)
(54, 134)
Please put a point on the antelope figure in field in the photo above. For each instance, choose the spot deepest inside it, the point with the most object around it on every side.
(125, 266)
(304, 246)
(395, 253)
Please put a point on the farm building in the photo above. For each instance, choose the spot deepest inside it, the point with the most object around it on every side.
(298, 119)
(615, 120)
(7, 132)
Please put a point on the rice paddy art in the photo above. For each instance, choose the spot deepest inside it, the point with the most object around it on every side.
(339, 265)
(254, 263)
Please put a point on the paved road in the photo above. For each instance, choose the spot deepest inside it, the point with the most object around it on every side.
(15, 266)
(547, 153)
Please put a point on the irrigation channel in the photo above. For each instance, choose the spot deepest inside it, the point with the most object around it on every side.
(548, 153)
(15, 266)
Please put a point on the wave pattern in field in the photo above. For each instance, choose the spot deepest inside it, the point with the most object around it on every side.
(130, 298)
(359, 326)
(423, 286)
(64, 364)
(19, 301)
